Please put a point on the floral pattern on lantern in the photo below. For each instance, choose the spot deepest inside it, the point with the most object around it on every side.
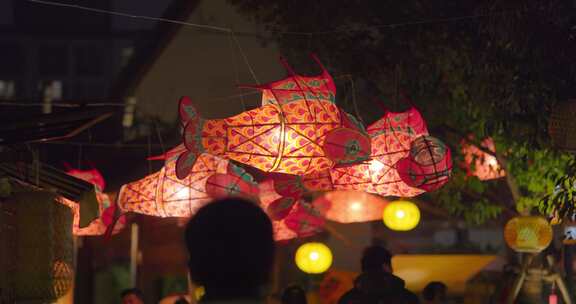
(528, 234)
(479, 163)
(290, 135)
(401, 215)
(428, 166)
(350, 206)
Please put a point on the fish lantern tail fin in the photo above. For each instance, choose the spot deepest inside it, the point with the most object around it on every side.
(193, 124)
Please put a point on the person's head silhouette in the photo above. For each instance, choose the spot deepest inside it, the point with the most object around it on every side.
(231, 249)
(294, 295)
(376, 258)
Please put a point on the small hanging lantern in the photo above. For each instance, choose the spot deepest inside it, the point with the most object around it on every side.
(401, 215)
(428, 166)
(528, 234)
(350, 206)
(313, 258)
(481, 164)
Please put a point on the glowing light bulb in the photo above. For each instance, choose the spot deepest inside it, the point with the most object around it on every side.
(355, 206)
(314, 255)
(182, 194)
(376, 166)
(400, 214)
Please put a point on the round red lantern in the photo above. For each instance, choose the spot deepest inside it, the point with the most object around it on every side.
(428, 165)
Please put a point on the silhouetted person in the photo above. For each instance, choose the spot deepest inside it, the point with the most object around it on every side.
(294, 295)
(231, 249)
(132, 296)
(181, 301)
(435, 293)
(377, 284)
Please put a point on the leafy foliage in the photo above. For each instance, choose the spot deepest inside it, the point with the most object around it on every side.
(496, 72)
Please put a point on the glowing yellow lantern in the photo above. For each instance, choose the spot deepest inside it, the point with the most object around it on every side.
(401, 215)
(528, 234)
(313, 258)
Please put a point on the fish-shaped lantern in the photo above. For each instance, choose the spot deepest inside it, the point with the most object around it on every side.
(391, 137)
(163, 194)
(479, 163)
(299, 130)
(105, 207)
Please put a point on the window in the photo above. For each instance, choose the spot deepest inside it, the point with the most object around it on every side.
(7, 89)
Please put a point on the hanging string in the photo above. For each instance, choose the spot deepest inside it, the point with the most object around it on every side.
(244, 57)
(236, 71)
(305, 34)
(115, 13)
(79, 160)
(159, 135)
(149, 154)
(354, 103)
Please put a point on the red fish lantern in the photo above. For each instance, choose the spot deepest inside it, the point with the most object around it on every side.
(428, 166)
(301, 132)
(105, 207)
(481, 164)
(291, 217)
(350, 206)
(391, 138)
(165, 195)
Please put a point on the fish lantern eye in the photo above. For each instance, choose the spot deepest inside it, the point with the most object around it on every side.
(401, 215)
(313, 258)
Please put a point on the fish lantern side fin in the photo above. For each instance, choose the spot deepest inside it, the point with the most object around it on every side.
(347, 146)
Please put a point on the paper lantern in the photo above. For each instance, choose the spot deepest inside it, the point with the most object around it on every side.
(528, 234)
(291, 217)
(401, 215)
(392, 136)
(313, 258)
(479, 163)
(428, 166)
(350, 206)
(164, 194)
(105, 207)
(300, 132)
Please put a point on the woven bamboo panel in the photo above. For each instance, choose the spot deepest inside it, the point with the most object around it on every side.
(37, 247)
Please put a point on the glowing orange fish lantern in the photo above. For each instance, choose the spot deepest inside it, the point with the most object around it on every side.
(528, 234)
(481, 164)
(301, 132)
(391, 137)
(105, 207)
(350, 206)
(428, 166)
(165, 195)
(291, 217)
